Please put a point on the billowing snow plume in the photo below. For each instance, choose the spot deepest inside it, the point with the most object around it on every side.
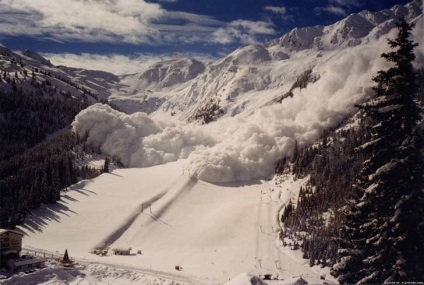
(243, 147)
(136, 140)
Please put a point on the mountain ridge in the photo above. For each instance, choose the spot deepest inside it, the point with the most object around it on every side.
(225, 88)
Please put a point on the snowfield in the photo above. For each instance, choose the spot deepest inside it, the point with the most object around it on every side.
(213, 231)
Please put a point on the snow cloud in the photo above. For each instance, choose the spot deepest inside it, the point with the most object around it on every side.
(136, 140)
(243, 147)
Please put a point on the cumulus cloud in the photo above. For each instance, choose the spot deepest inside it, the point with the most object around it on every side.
(243, 31)
(241, 148)
(131, 21)
(340, 7)
(117, 64)
(276, 9)
(80, 19)
(348, 3)
(332, 10)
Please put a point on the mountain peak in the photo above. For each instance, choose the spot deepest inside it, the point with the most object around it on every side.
(35, 56)
(350, 31)
(170, 72)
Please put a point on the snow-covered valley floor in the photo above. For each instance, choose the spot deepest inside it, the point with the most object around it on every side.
(214, 232)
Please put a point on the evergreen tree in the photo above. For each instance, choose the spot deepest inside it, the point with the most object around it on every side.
(66, 256)
(106, 165)
(381, 240)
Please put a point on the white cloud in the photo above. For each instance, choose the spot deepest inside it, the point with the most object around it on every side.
(348, 3)
(276, 9)
(113, 63)
(130, 21)
(243, 31)
(332, 10)
(116, 63)
(127, 21)
(79, 19)
(252, 27)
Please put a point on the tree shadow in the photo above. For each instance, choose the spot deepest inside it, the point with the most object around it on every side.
(83, 191)
(67, 197)
(48, 213)
(114, 174)
(237, 184)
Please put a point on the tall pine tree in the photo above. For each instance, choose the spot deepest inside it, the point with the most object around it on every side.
(383, 238)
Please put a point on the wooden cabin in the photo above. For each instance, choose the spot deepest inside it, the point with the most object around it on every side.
(122, 251)
(10, 243)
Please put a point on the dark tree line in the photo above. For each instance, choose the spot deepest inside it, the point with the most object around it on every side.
(38, 152)
(331, 166)
(38, 176)
(382, 239)
(362, 210)
(27, 119)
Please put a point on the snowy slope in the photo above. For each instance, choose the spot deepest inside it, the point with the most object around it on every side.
(148, 90)
(31, 72)
(213, 231)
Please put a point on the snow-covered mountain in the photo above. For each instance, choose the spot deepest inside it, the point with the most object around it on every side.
(31, 72)
(353, 30)
(257, 101)
(269, 95)
(191, 91)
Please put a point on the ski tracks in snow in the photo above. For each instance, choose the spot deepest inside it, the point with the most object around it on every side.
(265, 261)
(154, 206)
(270, 258)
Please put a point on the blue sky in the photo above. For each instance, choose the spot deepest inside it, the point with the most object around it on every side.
(162, 28)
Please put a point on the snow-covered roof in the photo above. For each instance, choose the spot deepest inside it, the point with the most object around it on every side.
(2, 231)
(7, 251)
(121, 249)
(26, 261)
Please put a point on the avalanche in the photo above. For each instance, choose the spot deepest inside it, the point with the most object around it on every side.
(245, 146)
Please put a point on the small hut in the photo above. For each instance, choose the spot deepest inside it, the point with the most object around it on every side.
(122, 251)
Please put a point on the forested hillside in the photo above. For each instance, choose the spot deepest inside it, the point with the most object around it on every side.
(361, 209)
(27, 118)
(38, 154)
